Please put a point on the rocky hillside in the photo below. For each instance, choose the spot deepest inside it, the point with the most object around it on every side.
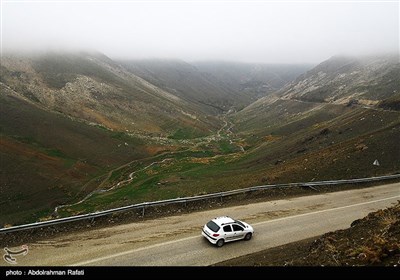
(348, 80)
(93, 88)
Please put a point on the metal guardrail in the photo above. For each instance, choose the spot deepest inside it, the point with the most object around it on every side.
(192, 198)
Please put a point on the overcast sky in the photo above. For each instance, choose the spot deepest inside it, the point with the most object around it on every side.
(252, 31)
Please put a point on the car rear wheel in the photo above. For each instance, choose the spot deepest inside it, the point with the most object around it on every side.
(220, 243)
(248, 236)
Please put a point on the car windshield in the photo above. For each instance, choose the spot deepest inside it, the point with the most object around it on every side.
(213, 226)
(240, 223)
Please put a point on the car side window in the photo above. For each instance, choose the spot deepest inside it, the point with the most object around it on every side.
(237, 228)
(227, 228)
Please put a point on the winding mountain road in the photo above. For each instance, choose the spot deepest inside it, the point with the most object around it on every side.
(177, 240)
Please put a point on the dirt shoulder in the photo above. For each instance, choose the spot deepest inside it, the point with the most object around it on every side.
(137, 215)
(371, 241)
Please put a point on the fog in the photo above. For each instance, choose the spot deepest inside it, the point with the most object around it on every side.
(248, 31)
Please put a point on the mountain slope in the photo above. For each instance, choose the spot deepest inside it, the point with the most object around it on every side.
(93, 88)
(48, 158)
(340, 80)
(188, 83)
(319, 126)
(372, 81)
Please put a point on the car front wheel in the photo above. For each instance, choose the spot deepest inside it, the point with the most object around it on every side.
(220, 243)
(248, 236)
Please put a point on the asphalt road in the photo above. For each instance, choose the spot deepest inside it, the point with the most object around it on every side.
(177, 240)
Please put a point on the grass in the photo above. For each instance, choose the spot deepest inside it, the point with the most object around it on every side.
(185, 133)
(146, 184)
(68, 162)
(27, 140)
(226, 147)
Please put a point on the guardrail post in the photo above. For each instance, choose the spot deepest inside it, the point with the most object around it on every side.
(311, 187)
(220, 197)
(144, 206)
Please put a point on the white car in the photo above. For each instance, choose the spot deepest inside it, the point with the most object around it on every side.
(225, 229)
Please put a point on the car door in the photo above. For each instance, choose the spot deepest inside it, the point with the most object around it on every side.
(238, 232)
(229, 234)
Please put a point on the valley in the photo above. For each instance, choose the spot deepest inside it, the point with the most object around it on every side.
(82, 133)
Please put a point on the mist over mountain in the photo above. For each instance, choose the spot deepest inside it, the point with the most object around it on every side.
(216, 86)
(255, 31)
(187, 82)
(253, 79)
